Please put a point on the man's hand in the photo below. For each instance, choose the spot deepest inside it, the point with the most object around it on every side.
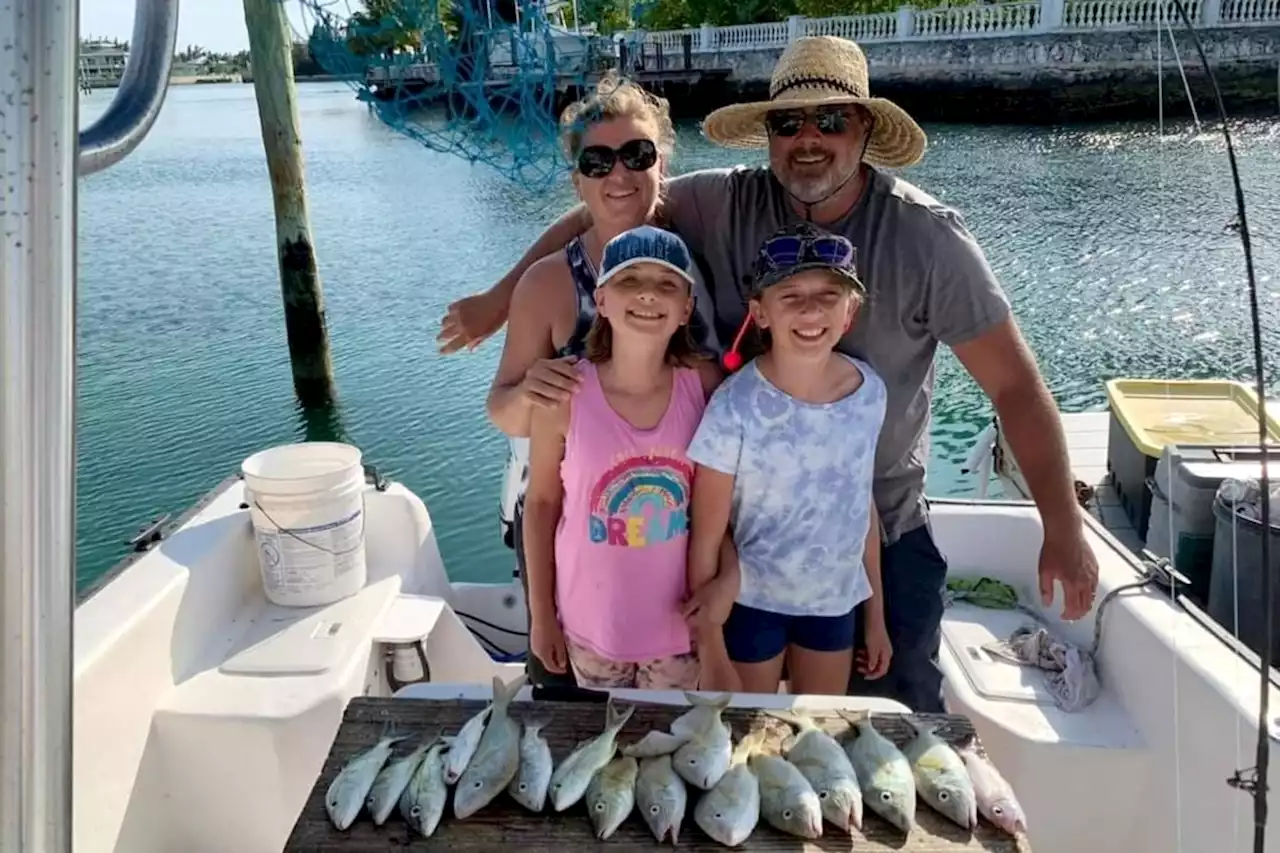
(472, 319)
(1066, 557)
(551, 381)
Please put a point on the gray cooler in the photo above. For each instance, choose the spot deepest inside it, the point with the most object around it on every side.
(1181, 524)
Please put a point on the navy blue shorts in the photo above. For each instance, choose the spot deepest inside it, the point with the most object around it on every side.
(755, 636)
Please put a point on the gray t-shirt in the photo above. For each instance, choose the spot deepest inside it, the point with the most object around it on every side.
(927, 281)
(801, 490)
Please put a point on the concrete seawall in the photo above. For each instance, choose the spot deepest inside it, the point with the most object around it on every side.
(1042, 77)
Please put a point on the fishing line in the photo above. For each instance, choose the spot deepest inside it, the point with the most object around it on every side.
(1174, 615)
(1254, 779)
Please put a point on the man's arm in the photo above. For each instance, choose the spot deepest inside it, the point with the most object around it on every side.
(1002, 364)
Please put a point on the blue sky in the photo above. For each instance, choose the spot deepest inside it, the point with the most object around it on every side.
(215, 24)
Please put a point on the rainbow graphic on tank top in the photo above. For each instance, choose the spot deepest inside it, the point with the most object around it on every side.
(642, 500)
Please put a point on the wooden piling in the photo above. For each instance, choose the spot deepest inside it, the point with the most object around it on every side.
(270, 52)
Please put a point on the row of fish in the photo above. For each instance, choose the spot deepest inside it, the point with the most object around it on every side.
(813, 778)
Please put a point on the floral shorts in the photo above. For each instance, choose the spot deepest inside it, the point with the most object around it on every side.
(679, 672)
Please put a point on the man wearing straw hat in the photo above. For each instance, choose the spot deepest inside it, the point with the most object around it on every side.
(829, 144)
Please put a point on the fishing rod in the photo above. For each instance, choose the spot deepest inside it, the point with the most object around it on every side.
(1254, 779)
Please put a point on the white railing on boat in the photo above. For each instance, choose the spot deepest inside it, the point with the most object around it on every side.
(977, 20)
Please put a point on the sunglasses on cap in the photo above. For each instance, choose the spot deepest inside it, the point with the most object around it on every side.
(829, 122)
(638, 155)
(786, 254)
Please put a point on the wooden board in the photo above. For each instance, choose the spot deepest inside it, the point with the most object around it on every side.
(504, 825)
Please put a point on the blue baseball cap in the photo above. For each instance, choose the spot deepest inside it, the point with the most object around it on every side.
(645, 245)
(795, 248)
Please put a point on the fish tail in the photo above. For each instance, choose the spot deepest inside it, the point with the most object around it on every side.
(504, 693)
(967, 743)
(853, 718)
(752, 744)
(616, 717)
(795, 718)
(535, 721)
(920, 727)
(720, 702)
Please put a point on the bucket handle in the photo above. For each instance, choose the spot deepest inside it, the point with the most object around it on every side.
(279, 529)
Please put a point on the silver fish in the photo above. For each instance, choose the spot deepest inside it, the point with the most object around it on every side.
(464, 745)
(529, 787)
(497, 756)
(825, 764)
(391, 781)
(661, 796)
(888, 788)
(611, 795)
(730, 811)
(653, 744)
(347, 792)
(705, 755)
(422, 803)
(996, 800)
(941, 777)
(787, 800)
(569, 781)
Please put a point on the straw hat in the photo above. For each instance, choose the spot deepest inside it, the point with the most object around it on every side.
(815, 71)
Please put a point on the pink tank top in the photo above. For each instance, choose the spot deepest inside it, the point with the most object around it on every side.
(623, 534)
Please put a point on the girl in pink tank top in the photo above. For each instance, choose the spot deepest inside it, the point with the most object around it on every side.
(606, 512)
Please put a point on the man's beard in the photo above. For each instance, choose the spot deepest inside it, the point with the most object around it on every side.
(809, 186)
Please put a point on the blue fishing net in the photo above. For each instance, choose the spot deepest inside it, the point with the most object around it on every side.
(481, 79)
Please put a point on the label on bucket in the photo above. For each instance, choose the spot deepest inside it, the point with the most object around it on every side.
(303, 560)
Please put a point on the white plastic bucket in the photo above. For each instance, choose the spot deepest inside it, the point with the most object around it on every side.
(307, 505)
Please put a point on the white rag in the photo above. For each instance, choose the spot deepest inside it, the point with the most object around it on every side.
(1069, 671)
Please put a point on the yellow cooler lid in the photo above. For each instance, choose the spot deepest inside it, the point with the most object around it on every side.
(1156, 412)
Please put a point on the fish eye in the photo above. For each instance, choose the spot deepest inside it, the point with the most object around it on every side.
(997, 809)
(599, 807)
(524, 786)
(943, 796)
(786, 814)
(822, 795)
(886, 797)
(717, 815)
(478, 784)
(653, 809)
(415, 811)
(693, 762)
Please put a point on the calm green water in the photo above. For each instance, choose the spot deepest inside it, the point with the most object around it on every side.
(1111, 245)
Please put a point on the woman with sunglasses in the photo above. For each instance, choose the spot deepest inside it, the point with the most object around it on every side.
(618, 138)
(785, 455)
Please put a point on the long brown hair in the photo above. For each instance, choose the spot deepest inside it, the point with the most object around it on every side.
(681, 350)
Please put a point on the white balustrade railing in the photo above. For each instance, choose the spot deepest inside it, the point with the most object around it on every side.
(859, 28)
(977, 20)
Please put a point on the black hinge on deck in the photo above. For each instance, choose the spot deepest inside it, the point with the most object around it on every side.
(1161, 573)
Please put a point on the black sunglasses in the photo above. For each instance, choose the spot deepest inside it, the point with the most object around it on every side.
(638, 155)
(829, 122)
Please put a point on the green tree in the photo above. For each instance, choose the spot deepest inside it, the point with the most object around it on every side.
(387, 26)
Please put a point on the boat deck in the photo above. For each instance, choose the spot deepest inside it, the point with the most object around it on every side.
(504, 823)
(1087, 435)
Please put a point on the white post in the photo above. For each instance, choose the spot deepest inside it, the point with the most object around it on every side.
(1052, 14)
(795, 27)
(906, 22)
(38, 50)
(1210, 13)
(707, 37)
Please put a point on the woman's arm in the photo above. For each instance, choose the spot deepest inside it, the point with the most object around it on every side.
(527, 375)
(543, 502)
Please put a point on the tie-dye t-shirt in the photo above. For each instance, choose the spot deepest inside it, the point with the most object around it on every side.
(802, 493)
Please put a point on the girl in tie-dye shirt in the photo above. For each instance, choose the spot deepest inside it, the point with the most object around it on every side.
(606, 517)
(785, 455)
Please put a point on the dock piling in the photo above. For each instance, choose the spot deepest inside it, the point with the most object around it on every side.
(270, 52)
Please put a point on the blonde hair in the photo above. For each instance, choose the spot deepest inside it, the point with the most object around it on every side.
(615, 97)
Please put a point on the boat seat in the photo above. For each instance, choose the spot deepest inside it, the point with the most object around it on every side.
(1026, 734)
(281, 686)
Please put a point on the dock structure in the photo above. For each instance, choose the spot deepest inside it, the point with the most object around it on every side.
(653, 65)
(503, 823)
